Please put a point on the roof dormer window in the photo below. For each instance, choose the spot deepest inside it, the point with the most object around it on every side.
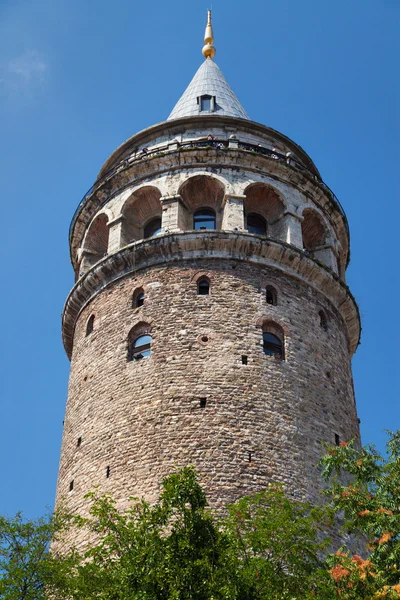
(206, 103)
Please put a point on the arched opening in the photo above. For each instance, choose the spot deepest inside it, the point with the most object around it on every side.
(312, 229)
(262, 206)
(273, 340)
(202, 196)
(323, 321)
(141, 215)
(139, 342)
(271, 295)
(256, 224)
(90, 325)
(203, 286)
(152, 228)
(138, 298)
(95, 246)
(272, 345)
(204, 218)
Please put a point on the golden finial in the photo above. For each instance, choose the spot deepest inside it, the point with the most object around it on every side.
(209, 50)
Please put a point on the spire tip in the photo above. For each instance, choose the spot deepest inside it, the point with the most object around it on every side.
(209, 50)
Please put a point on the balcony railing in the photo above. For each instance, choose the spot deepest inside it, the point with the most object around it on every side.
(201, 143)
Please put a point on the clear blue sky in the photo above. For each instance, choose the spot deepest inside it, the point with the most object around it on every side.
(78, 77)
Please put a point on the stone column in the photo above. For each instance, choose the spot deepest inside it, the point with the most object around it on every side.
(115, 237)
(87, 260)
(327, 256)
(175, 214)
(233, 212)
(287, 228)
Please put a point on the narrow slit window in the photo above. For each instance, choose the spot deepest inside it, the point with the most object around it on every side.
(108, 470)
(79, 442)
(337, 439)
(323, 321)
(203, 287)
(138, 298)
(250, 456)
(203, 402)
(71, 486)
(271, 296)
(90, 325)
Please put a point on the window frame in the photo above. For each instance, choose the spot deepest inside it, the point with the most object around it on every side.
(271, 345)
(204, 210)
(136, 296)
(135, 351)
(206, 98)
(260, 217)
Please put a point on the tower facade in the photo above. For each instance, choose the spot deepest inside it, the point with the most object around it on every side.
(210, 322)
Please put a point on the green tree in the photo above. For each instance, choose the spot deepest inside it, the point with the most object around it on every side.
(26, 565)
(266, 548)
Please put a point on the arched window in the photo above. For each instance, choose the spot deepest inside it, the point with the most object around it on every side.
(271, 296)
(138, 298)
(323, 321)
(273, 339)
(90, 325)
(203, 286)
(256, 224)
(204, 219)
(272, 345)
(140, 347)
(152, 228)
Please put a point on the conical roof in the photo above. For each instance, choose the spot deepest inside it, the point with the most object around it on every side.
(208, 81)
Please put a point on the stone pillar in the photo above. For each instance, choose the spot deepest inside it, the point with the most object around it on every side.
(88, 259)
(175, 214)
(233, 212)
(327, 256)
(287, 228)
(115, 236)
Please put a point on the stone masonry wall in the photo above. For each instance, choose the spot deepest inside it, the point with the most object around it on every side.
(143, 419)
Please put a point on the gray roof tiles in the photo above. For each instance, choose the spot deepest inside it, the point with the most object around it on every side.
(209, 80)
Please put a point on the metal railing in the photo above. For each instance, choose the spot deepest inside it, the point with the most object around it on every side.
(217, 144)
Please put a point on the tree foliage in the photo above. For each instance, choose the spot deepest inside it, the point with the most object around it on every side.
(371, 506)
(26, 564)
(264, 547)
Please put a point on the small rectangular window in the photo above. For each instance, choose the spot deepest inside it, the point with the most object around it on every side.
(203, 402)
(244, 360)
(337, 439)
(79, 442)
(205, 103)
(71, 486)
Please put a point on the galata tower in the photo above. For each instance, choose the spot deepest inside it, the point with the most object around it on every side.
(210, 322)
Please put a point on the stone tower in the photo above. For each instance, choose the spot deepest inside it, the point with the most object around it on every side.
(210, 322)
